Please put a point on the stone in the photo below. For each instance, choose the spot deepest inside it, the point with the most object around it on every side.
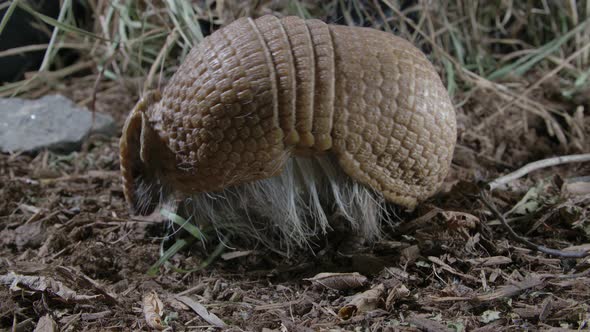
(52, 122)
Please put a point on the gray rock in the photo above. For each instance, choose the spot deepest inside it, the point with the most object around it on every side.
(52, 122)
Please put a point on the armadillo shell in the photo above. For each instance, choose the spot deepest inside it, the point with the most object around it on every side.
(257, 92)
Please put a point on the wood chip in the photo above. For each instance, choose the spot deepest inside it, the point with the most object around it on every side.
(513, 289)
(395, 294)
(411, 254)
(80, 278)
(448, 268)
(505, 291)
(577, 188)
(235, 254)
(339, 281)
(46, 324)
(546, 309)
(363, 302)
(425, 324)
(202, 311)
(490, 261)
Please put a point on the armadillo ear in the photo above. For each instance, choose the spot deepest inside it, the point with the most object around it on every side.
(138, 141)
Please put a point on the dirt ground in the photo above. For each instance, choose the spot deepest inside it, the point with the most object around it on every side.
(71, 255)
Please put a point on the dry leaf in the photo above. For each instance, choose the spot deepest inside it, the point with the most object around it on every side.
(339, 281)
(399, 292)
(347, 312)
(489, 316)
(448, 268)
(46, 324)
(153, 308)
(457, 219)
(411, 253)
(202, 311)
(53, 287)
(546, 309)
(530, 203)
(363, 302)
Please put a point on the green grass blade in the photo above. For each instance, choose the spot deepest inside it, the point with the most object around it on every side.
(49, 51)
(185, 224)
(580, 82)
(210, 259)
(525, 63)
(177, 246)
(190, 20)
(451, 83)
(458, 47)
(53, 22)
(8, 14)
(175, 12)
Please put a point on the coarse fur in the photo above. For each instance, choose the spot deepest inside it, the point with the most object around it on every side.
(287, 211)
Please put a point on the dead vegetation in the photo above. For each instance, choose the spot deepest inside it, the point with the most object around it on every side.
(518, 72)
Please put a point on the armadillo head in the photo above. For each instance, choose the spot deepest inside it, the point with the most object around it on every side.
(154, 168)
(144, 157)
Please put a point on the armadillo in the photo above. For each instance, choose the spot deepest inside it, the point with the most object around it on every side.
(289, 116)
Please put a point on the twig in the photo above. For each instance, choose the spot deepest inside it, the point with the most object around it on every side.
(574, 158)
(585, 273)
(484, 197)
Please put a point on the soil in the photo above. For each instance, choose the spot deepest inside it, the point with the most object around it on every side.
(71, 254)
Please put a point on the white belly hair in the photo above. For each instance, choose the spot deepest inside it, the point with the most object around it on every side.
(290, 210)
